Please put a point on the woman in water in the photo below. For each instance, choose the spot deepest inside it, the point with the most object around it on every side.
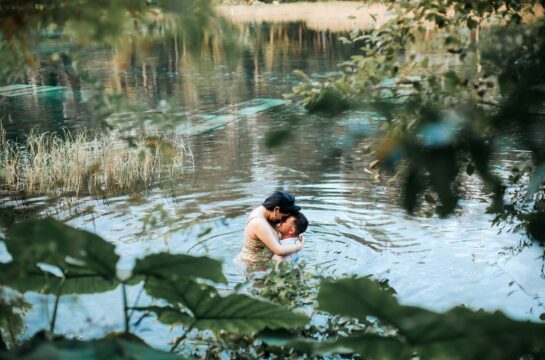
(259, 232)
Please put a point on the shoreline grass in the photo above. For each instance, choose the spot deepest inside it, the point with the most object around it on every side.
(80, 163)
(334, 16)
(338, 16)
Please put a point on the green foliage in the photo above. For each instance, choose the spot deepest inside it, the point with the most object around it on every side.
(80, 262)
(458, 333)
(328, 100)
(443, 114)
(286, 286)
(234, 313)
(51, 257)
(236, 318)
(76, 261)
(71, 261)
(73, 281)
(176, 267)
(111, 347)
(51, 242)
(12, 309)
(294, 288)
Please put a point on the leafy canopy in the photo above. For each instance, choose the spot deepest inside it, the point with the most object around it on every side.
(447, 91)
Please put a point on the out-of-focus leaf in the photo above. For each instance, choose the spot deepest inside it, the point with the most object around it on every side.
(234, 313)
(51, 242)
(169, 315)
(481, 155)
(109, 348)
(459, 333)
(75, 282)
(470, 169)
(12, 310)
(328, 101)
(300, 74)
(472, 24)
(174, 267)
(535, 225)
(277, 138)
(368, 345)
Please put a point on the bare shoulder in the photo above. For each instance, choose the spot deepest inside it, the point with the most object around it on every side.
(256, 222)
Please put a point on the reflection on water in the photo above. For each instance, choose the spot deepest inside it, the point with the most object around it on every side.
(356, 226)
(234, 65)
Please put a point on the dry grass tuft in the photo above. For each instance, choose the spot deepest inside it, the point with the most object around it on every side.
(88, 164)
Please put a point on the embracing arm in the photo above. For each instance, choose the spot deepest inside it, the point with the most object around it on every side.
(264, 232)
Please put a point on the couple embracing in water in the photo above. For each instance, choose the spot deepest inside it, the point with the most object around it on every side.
(276, 225)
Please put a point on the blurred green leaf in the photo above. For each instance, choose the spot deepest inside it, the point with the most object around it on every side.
(128, 347)
(534, 225)
(169, 315)
(51, 242)
(328, 101)
(75, 281)
(458, 333)
(13, 307)
(234, 313)
(368, 345)
(277, 138)
(175, 267)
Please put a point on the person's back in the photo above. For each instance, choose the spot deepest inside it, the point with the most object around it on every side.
(253, 249)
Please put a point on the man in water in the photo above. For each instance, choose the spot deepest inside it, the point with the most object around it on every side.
(290, 228)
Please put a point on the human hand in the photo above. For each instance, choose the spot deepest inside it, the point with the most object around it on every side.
(301, 241)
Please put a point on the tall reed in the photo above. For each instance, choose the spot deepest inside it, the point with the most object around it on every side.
(81, 163)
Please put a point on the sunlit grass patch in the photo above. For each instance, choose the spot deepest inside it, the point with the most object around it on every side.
(81, 163)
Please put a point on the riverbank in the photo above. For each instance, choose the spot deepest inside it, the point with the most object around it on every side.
(339, 16)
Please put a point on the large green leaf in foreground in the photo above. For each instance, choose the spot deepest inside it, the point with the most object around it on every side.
(459, 333)
(234, 313)
(51, 242)
(114, 348)
(175, 267)
(372, 346)
(79, 262)
(75, 281)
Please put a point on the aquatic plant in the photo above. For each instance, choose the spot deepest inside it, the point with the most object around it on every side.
(81, 163)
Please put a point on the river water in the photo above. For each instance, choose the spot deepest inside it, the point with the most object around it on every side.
(356, 223)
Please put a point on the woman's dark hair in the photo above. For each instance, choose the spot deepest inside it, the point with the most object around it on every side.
(300, 222)
(282, 199)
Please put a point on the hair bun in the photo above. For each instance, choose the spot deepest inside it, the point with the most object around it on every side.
(295, 208)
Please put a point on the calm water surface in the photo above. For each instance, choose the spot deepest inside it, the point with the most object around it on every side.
(356, 224)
